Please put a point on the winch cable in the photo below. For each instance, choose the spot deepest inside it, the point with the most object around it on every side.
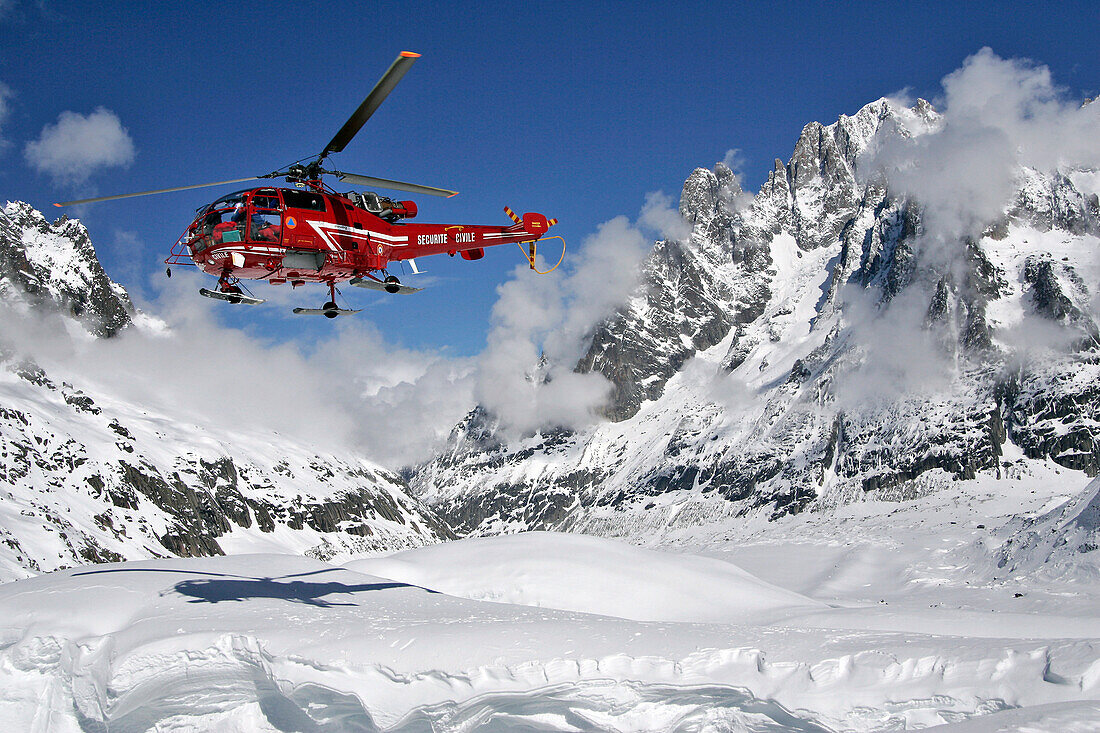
(530, 256)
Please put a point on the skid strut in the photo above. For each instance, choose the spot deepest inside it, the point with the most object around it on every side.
(329, 309)
(230, 291)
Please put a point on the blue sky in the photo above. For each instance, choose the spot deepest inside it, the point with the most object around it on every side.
(573, 109)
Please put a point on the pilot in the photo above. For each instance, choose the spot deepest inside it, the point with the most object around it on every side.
(262, 228)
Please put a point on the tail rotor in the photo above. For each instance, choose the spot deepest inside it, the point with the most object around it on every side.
(536, 225)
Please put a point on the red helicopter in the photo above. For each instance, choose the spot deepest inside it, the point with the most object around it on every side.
(311, 233)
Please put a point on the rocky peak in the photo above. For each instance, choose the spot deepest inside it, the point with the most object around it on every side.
(54, 265)
(709, 193)
(691, 292)
(696, 290)
(784, 424)
(699, 196)
(926, 112)
(855, 134)
(730, 193)
(817, 191)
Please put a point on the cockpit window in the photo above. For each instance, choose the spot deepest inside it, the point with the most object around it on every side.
(303, 200)
(230, 201)
(266, 201)
(265, 224)
(222, 221)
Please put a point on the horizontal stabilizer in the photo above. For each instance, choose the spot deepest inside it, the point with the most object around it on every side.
(366, 282)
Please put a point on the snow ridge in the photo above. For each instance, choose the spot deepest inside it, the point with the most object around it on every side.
(268, 642)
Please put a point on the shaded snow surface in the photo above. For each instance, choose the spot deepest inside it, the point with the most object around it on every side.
(1055, 541)
(282, 643)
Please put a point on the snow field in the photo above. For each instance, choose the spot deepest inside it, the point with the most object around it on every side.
(591, 575)
(279, 642)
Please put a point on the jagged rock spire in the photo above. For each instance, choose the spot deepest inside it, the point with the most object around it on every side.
(55, 264)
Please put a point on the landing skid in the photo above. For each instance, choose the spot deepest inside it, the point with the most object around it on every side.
(329, 312)
(230, 297)
(390, 287)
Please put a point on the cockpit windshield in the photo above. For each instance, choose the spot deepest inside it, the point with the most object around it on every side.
(232, 219)
(229, 202)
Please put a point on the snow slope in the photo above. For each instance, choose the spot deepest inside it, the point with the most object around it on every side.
(552, 570)
(278, 642)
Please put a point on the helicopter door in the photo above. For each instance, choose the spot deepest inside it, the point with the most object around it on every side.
(266, 218)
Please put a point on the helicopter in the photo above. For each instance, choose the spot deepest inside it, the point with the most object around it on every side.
(312, 234)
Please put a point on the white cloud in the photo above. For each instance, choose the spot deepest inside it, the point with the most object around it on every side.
(734, 159)
(900, 357)
(553, 317)
(77, 145)
(998, 114)
(604, 272)
(352, 392)
(661, 214)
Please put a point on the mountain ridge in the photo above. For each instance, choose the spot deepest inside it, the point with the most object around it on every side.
(734, 361)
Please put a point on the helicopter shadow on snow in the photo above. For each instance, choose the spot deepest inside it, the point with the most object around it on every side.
(210, 590)
(227, 587)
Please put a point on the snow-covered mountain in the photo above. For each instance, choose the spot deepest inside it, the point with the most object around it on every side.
(95, 477)
(44, 263)
(814, 346)
(818, 346)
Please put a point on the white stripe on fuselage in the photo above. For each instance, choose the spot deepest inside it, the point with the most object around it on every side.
(389, 238)
(326, 230)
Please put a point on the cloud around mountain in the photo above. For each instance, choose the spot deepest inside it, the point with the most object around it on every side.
(998, 115)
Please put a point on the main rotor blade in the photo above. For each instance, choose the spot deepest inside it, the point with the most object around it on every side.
(396, 185)
(159, 190)
(381, 90)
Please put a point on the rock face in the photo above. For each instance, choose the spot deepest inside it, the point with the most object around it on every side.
(95, 478)
(55, 264)
(694, 292)
(811, 348)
